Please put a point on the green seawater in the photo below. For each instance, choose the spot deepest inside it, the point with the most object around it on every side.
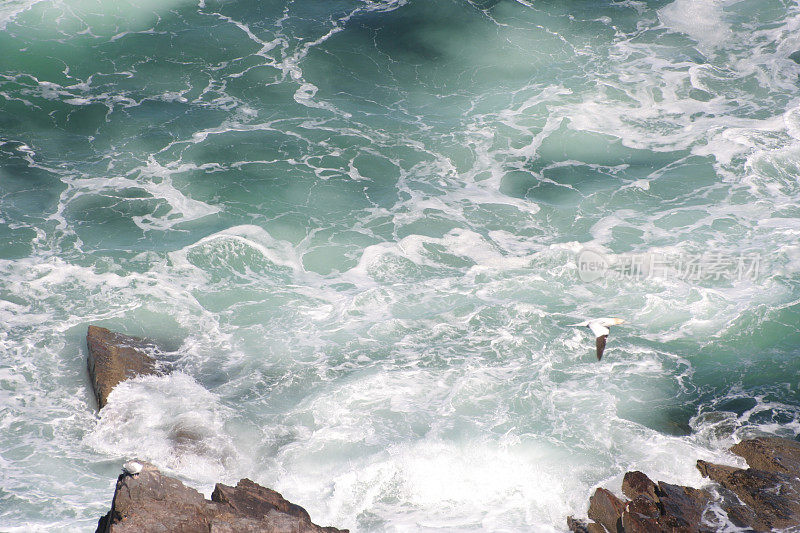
(359, 229)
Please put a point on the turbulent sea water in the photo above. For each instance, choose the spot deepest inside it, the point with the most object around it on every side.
(354, 227)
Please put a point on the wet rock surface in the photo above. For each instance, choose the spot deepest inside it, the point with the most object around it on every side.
(770, 493)
(770, 454)
(150, 502)
(606, 509)
(764, 497)
(113, 358)
(636, 484)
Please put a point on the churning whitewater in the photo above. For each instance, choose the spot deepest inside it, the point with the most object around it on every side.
(361, 229)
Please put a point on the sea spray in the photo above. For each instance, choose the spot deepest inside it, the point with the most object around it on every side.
(358, 228)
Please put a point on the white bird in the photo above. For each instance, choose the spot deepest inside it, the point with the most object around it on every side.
(599, 327)
(132, 467)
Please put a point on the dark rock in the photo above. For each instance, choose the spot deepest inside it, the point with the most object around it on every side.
(740, 515)
(764, 497)
(114, 357)
(773, 497)
(770, 454)
(582, 526)
(637, 484)
(663, 508)
(594, 527)
(641, 515)
(681, 507)
(718, 473)
(744, 517)
(606, 509)
(654, 508)
(251, 499)
(151, 502)
(643, 506)
(577, 526)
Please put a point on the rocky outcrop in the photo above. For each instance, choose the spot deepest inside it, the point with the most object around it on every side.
(114, 357)
(769, 491)
(764, 497)
(606, 509)
(150, 502)
(770, 454)
(652, 508)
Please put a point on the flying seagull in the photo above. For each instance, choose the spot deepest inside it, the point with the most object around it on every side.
(599, 327)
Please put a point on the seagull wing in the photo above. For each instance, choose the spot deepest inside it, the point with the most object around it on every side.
(601, 345)
(608, 322)
(598, 328)
(601, 332)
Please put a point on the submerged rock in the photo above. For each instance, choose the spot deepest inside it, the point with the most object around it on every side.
(152, 502)
(113, 358)
(764, 497)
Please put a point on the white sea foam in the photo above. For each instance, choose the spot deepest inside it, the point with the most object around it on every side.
(280, 253)
(510, 482)
(171, 421)
(10, 9)
(405, 365)
(702, 20)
